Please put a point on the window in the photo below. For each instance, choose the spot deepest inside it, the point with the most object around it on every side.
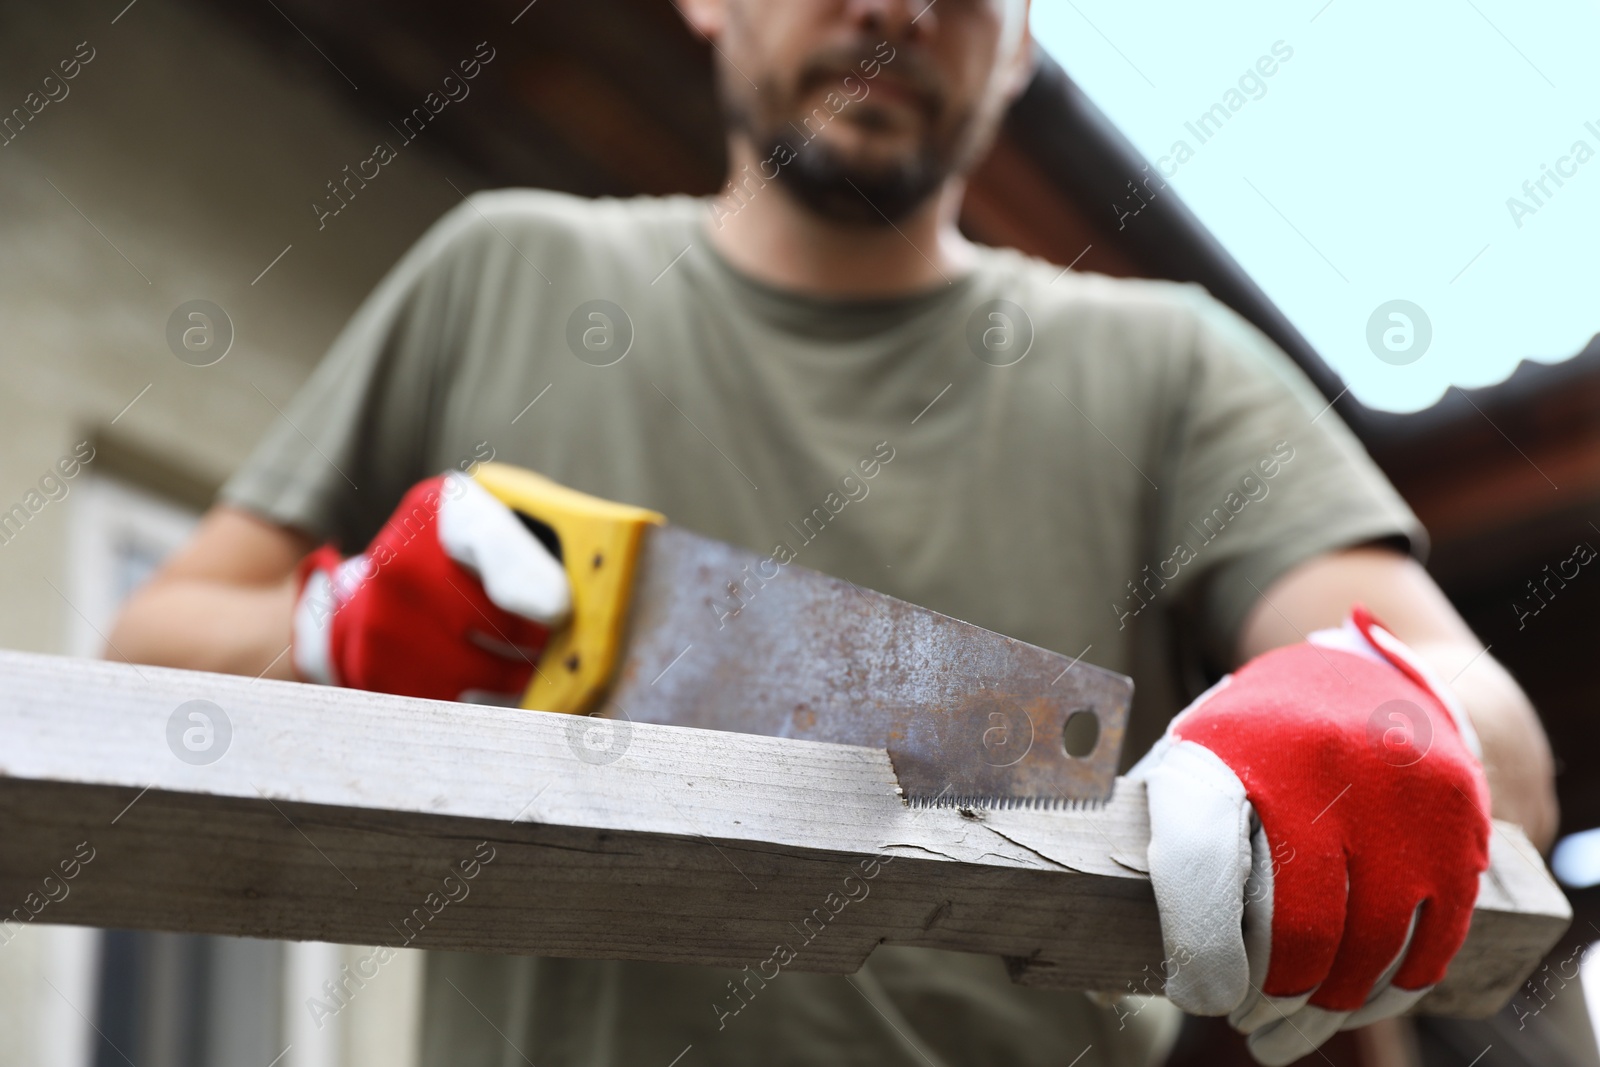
(119, 535)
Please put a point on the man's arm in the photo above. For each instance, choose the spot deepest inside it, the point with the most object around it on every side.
(222, 603)
(1318, 595)
(453, 600)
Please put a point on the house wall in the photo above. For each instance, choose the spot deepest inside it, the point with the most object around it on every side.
(176, 164)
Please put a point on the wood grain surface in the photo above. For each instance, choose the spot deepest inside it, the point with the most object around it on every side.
(338, 815)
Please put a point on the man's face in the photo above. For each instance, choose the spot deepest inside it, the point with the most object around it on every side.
(865, 107)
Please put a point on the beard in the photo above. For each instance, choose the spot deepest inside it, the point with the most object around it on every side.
(853, 193)
(841, 186)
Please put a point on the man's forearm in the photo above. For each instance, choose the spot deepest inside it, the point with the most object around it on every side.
(223, 602)
(208, 626)
(1516, 755)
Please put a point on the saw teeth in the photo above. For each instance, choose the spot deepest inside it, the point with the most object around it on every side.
(1050, 803)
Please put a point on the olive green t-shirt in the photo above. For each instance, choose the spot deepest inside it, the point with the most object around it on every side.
(1106, 468)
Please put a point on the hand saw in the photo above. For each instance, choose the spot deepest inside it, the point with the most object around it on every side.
(671, 627)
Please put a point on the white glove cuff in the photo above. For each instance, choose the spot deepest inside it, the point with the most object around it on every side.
(312, 626)
(313, 614)
(1200, 859)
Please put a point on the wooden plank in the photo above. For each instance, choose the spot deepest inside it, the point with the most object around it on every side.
(367, 819)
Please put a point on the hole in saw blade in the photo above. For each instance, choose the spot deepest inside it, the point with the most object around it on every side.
(1081, 733)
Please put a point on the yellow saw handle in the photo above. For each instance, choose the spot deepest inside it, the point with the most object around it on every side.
(599, 549)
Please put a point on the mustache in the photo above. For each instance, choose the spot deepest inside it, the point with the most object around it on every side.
(912, 69)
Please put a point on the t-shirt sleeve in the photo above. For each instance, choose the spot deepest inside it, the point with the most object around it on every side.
(1263, 476)
(341, 454)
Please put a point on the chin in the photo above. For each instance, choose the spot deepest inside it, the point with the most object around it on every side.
(864, 189)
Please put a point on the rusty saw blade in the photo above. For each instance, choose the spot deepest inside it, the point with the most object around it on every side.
(969, 717)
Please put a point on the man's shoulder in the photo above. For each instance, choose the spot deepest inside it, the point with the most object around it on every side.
(1136, 318)
(1065, 294)
(1130, 329)
(549, 208)
(560, 226)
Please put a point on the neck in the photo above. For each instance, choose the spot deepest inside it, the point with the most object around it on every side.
(768, 234)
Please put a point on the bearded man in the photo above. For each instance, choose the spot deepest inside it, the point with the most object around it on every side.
(1122, 470)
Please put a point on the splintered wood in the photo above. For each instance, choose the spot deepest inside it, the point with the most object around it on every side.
(205, 803)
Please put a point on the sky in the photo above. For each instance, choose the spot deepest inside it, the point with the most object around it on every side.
(1373, 183)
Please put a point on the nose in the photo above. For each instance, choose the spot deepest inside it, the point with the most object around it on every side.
(893, 19)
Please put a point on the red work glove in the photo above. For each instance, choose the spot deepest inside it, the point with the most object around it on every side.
(1318, 822)
(453, 600)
